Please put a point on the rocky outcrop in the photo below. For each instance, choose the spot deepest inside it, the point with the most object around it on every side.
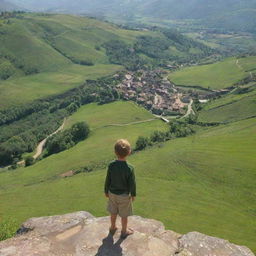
(80, 233)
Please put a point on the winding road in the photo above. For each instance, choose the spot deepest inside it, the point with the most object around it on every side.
(40, 147)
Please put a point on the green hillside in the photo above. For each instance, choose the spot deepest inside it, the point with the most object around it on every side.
(216, 76)
(44, 54)
(25, 89)
(204, 182)
(235, 106)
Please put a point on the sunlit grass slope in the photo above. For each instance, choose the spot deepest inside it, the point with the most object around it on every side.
(231, 107)
(215, 76)
(94, 151)
(28, 88)
(40, 50)
(204, 182)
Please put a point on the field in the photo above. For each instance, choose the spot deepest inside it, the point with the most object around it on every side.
(25, 89)
(54, 53)
(104, 122)
(43, 50)
(232, 107)
(215, 76)
(203, 182)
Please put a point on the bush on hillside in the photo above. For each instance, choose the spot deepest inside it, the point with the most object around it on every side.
(67, 139)
(177, 129)
(29, 161)
(180, 129)
(158, 136)
(11, 150)
(141, 143)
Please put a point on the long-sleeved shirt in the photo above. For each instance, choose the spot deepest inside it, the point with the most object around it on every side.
(120, 178)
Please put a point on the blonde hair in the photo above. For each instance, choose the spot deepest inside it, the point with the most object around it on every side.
(122, 148)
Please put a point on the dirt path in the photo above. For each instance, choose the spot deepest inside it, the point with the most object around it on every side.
(238, 65)
(127, 124)
(41, 145)
(190, 109)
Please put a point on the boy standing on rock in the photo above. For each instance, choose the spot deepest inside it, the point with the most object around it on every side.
(120, 188)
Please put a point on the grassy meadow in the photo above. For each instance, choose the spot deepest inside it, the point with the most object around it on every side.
(204, 182)
(45, 54)
(25, 89)
(231, 107)
(215, 76)
(44, 47)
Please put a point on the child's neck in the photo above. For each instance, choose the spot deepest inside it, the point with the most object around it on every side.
(121, 159)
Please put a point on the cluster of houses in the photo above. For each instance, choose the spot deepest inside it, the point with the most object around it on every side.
(148, 88)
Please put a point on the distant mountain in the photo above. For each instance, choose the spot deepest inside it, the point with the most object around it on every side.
(7, 6)
(227, 14)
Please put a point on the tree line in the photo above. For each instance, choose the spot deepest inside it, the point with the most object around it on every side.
(24, 126)
(177, 129)
(67, 139)
(148, 51)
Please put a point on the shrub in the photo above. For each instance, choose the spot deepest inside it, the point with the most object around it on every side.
(67, 139)
(141, 143)
(80, 131)
(29, 161)
(158, 136)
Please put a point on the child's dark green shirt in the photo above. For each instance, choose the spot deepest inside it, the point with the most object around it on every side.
(120, 178)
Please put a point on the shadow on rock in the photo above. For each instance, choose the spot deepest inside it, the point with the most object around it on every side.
(109, 248)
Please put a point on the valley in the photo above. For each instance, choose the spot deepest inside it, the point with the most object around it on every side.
(192, 102)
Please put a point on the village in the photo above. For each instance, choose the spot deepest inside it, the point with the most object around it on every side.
(155, 93)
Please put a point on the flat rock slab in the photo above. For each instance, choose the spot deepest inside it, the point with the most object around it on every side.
(195, 243)
(81, 234)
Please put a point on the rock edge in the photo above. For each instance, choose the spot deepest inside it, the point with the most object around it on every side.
(80, 233)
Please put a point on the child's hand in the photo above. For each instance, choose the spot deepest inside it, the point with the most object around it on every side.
(106, 195)
(132, 198)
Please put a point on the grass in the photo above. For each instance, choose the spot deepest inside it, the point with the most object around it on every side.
(180, 188)
(204, 182)
(232, 107)
(215, 76)
(98, 148)
(47, 43)
(115, 113)
(28, 88)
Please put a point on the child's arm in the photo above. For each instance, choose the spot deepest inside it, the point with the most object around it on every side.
(132, 185)
(107, 183)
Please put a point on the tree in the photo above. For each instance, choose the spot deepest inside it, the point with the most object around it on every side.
(29, 161)
(141, 143)
(80, 131)
(158, 136)
(67, 139)
(12, 149)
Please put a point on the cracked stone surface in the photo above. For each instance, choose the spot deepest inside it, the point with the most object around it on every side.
(81, 234)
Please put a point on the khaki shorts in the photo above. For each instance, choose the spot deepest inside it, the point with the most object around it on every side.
(120, 204)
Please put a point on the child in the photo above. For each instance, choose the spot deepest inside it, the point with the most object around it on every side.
(120, 188)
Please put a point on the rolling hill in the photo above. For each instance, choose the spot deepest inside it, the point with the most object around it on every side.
(237, 105)
(218, 75)
(203, 182)
(58, 52)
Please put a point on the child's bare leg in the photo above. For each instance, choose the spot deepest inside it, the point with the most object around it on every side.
(125, 230)
(113, 221)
